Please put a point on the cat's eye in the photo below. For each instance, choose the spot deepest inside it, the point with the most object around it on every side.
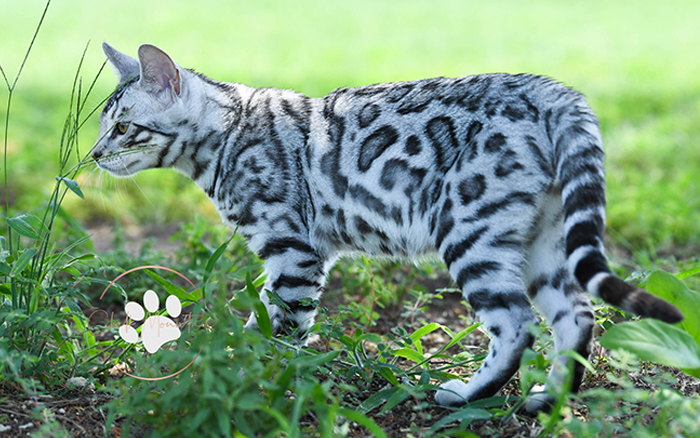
(122, 127)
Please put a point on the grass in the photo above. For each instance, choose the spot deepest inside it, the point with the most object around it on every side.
(632, 59)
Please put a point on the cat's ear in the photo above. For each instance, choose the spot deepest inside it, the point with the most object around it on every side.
(158, 71)
(125, 66)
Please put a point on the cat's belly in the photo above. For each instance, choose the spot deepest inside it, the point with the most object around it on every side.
(372, 235)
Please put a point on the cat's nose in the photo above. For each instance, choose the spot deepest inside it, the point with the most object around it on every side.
(96, 155)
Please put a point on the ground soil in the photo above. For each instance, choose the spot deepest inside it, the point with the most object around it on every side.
(81, 411)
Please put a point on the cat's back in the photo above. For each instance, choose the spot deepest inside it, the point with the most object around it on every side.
(379, 153)
(432, 120)
(513, 96)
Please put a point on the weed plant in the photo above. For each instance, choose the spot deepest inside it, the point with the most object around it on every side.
(43, 336)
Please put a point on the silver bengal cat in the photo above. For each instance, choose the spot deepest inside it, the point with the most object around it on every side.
(502, 175)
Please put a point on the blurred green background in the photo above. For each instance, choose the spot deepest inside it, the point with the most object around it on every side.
(637, 61)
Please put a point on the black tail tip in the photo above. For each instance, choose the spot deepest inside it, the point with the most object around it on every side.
(645, 304)
(638, 301)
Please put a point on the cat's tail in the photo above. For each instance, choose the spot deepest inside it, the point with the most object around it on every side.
(579, 160)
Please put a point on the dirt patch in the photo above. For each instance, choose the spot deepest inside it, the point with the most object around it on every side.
(80, 413)
(102, 237)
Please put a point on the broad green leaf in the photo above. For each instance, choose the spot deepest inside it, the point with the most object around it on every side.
(418, 334)
(275, 299)
(671, 289)
(5, 268)
(72, 185)
(73, 306)
(654, 341)
(424, 378)
(71, 270)
(409, 354)
(35, 223)
(389, 375)
(23, 261)
(34, 300)
(347, 341)
(692, 372)
(88, 337)
(20, 225)
(580, 359)
(371, 337)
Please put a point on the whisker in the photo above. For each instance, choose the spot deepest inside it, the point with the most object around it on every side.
(141, 190)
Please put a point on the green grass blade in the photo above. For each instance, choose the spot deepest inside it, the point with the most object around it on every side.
(377, 399)
(688, 273)
(459, 336)
(259, 310)
(213, 259)
(362, 420)
(173, 289)
(464, 416)
(397, 398)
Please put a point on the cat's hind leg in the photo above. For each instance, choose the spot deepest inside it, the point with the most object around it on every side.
(492, 282)
(558, 297)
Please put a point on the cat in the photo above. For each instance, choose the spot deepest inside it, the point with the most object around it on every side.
(501, 174)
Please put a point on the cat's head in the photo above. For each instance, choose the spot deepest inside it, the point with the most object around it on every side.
(136, 125)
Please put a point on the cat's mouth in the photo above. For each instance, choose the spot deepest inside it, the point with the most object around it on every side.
(117, 166)
(126, 163)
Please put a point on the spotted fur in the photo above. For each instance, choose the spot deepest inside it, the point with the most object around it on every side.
(500, 174)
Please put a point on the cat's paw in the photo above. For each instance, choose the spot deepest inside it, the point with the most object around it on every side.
(157, 329)
(450, 392)
(538, 401)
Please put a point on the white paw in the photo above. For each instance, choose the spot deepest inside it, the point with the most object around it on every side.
(538, 401)
(451, 393)
(157, 329)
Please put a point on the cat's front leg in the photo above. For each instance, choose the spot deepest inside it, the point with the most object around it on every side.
(296, 274)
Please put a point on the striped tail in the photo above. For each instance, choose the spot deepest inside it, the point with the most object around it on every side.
(580, 169)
